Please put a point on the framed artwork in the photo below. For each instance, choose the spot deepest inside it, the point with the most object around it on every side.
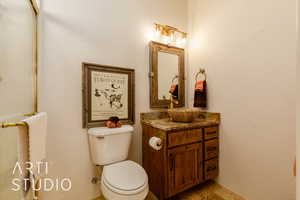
(107, 91)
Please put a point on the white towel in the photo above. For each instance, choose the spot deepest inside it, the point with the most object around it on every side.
(37, 131)
(23, 154)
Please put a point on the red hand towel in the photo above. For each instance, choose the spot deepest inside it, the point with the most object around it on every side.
(200, 94)
(172, 89)
(199, 86)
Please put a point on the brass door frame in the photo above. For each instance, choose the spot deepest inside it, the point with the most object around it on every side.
(35, 9)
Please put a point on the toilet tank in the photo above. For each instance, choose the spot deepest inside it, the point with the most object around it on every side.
(109, 145)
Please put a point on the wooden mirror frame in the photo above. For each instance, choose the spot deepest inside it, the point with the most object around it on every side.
(155, 102)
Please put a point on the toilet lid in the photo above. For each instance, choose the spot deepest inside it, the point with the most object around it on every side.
(104, 131)
(126, 175)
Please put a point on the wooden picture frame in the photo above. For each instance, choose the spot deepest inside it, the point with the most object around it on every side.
(156, 47)
(107, 91)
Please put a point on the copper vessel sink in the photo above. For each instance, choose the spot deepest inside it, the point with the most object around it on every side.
(185, 115)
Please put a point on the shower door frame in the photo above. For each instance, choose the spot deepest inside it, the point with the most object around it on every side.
(36, 11)
(35, 8)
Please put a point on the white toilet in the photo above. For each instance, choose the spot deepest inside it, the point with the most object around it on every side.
(121, 179)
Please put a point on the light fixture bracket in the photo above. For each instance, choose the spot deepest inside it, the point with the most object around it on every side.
(170, 34)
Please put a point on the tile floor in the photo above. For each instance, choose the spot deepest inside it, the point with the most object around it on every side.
(207, 191)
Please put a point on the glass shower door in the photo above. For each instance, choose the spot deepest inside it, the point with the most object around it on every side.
(17, 61)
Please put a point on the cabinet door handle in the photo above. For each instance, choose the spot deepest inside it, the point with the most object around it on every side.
(211, 132)
(172, 162)
(211, 148)
(211, 168)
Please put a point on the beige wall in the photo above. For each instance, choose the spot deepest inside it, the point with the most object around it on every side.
(248, 49)
(110, 32)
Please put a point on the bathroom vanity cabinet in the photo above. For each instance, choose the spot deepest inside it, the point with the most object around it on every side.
(188, 157)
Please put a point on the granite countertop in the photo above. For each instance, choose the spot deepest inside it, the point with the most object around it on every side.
(161, 121)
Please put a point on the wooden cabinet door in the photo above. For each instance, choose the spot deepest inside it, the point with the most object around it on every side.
(184, 167)
(211, 149)
(211, 169)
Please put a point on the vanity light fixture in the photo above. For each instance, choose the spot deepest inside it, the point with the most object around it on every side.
(169, 35)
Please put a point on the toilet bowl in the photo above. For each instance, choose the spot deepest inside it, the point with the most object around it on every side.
(124, 181)
(121, 179)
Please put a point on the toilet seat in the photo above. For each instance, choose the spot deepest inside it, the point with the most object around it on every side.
(125, 178)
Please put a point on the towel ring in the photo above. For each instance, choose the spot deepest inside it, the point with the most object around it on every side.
(201, 71)
(175, 77)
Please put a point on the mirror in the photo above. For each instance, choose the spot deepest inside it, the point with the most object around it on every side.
(167, 68)
(166, 75)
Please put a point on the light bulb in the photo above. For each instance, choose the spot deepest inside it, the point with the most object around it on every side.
(157, 33)
(172, 37)
(166, 39)
(183, 41)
